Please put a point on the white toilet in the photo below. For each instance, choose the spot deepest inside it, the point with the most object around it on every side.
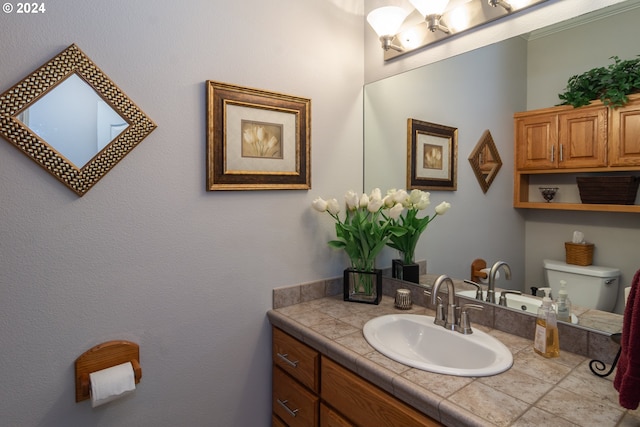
(588, 286)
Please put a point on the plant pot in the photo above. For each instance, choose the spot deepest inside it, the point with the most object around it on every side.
(407, 272)
(362, 286)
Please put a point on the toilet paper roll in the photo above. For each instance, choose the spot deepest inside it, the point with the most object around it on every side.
(111, 383)
(486, 280)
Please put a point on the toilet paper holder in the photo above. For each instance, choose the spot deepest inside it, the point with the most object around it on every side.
(103, 356)
(476, 266)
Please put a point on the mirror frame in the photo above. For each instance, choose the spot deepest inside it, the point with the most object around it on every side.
(485, 145)
(37, 84)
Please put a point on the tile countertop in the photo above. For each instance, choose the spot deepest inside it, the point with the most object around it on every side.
(534, 392)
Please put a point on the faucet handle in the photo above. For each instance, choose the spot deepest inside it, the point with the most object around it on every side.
(478, 288)
(440, 317)
(465, 324)
(503, 296)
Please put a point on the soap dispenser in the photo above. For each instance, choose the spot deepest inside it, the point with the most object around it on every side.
(563, 303)
(546, 342)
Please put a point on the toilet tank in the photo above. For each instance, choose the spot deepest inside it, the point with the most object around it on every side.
(588, 286)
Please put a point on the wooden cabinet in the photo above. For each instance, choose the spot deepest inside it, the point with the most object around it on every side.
(312, 390)
(562, 140)
(330, 418)
(292, 402)
(365, 404)
(624, 135)
(550, 139)
(296, 381)
(296, 359)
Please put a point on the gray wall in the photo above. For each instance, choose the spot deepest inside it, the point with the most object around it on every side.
(549, 66)
(472, 92)
(148, 255)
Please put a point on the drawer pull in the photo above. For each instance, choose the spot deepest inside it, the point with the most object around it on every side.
(286, 359)
(283, 403)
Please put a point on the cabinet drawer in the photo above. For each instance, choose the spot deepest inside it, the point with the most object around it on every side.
(357, 399)
(276, 422)
(330, 418)
(292, 402)
(297, 359)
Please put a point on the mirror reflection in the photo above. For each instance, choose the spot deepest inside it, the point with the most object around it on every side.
(74, 120)
(389, 101)
(485, 161)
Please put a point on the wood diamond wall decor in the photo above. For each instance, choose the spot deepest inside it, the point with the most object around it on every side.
(107, 125)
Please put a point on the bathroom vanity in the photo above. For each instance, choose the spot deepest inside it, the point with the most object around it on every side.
(340, 380)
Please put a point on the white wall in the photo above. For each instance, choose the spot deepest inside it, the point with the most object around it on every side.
(148, 255)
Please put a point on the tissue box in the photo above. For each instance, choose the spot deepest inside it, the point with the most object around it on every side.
(579, 253)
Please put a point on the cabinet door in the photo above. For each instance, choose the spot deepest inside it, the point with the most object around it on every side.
(582, 138)
(624, 135)
(536, 141)
(364, 403)
(292, 402)
(330, 418)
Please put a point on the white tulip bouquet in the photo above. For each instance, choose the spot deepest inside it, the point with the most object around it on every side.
(366, 228)
(413, 226)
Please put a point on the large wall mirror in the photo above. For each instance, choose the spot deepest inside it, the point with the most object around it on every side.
(72, 120)
(447, 94)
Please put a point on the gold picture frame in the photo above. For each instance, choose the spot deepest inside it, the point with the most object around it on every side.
(257, 140)
(70, 64)
(485, 161)
(432, 156)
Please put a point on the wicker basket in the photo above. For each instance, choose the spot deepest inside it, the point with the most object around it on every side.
(579, 253)
(612, 190)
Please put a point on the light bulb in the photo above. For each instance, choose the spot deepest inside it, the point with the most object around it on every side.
(386, 21)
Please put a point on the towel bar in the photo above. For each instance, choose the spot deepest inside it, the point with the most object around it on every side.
(598, 366)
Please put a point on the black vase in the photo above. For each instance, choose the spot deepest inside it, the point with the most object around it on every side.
(407, 272)
(362, 286)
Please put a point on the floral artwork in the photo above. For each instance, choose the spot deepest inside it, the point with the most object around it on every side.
(261, 139)
(257, 140)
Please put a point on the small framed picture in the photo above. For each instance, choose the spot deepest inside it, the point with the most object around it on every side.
(432, 156)
(257, 140)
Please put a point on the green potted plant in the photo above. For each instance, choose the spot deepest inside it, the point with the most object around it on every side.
(363, 233)
(406, 268)
(609, 84)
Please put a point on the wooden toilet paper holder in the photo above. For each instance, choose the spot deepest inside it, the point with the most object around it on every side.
(476, 266)
(103, 356)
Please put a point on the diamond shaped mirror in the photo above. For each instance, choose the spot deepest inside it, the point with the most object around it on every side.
(72, 120)
(485, 161)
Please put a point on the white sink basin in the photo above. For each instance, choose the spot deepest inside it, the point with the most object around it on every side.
(416, 341)
(526, 303)
(515, 301)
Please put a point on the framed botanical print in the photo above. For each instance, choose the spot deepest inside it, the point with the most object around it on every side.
(432, 156)
(257, 140)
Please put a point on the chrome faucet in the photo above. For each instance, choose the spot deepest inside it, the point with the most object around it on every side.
(491, 289)
(450, 322)
(478, 289)
(503, 297)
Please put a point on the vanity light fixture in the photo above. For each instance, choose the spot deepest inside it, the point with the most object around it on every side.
(432, 11)
(386, 22)
(436, 20)
(503, 3)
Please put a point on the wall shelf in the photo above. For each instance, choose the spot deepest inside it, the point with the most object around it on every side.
(555, 145)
